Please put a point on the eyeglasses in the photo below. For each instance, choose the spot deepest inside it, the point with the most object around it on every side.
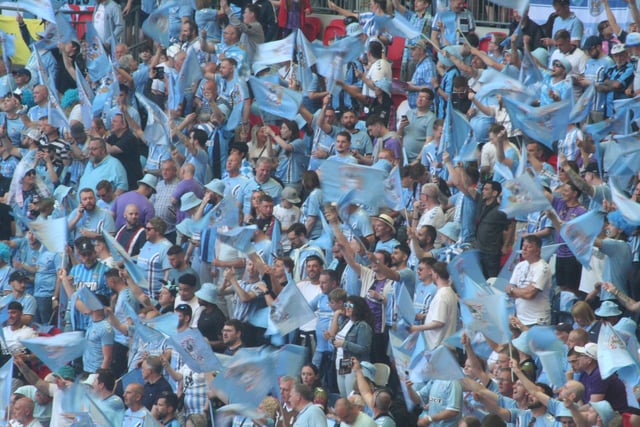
(348, 305)
(558, 64)
(30, 173)
(149, 228)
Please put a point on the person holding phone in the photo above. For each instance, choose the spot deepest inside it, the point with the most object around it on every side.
(351, 338)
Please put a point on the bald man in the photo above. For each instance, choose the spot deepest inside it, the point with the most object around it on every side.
(23, 413)
(131, 235)
(136, 414)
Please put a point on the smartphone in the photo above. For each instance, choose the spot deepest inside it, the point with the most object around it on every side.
(404, 117)
(159, 72)
(345, 366)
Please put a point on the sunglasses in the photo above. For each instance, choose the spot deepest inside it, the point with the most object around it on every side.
(348, 305)
(30, 173)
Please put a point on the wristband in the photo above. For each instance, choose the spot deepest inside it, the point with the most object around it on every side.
(429, 418)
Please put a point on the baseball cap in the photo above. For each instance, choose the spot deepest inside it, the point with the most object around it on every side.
(291, 195)
(590, 349)
(84, 245)
(590, 42)
(617, 49)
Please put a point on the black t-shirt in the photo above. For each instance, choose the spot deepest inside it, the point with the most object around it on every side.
(130, 156)
(210, 324)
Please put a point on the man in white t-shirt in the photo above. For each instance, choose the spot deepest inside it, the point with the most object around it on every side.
(429, 205)
(530, 284)
(310, 289)
(441, 320)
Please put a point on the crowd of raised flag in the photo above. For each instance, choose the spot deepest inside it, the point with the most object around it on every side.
(238, 226)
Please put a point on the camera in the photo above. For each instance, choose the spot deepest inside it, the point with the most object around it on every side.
(159, 72)
(345, 366)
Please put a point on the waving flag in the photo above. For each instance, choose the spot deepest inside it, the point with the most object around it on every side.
(629, 209)
(438, 364)
(84, 98)
(361, 184)
(275, 99)
(40, 8)
(42, 72)
(530, 74)
(467, 264)
(521, 196)
(393, 194)
(622, 156)
(224, 214)
(552, 363)
(118, 252)
(166, 324)
(89, 299)
(276, 243)
(399, 26)
(52, 233)
(97, 59)
(156, 26)
(6, 375)
(239, 238)
(248, 378)
(495, 82)
(580, 233)
(157, 128)
(7, 41)
(290, 310)
(457, 131)
(57, 117)
(489, 314)
(582, 106)
(613, 355)
(545, 124)
(58, 350)
(65, 31)
(341, 52)
(306, 58)
(195, 351)
(276, 52)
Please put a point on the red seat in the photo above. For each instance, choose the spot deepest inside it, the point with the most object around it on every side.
(484, 42)
(312, 28)
(335, 28)
(394, 54)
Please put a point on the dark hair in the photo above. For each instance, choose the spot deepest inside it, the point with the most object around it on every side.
(288, 262)
(491, 420)
(431, 232)
(375, 50)
(430, 261)
(170, 399)
(104, 184)
(314, 258)
(403, 248)
(562, 35)
(345, 134)
(361, 310)
(185, 309)
(333, 275)
(298, 228)
(155, 363)
(188, 279)
(235, 323)
(106, 377)
(310, 180)
(386, 255)
(533, 239)
(253, 9)
(440, 268)
(175, 250)
(429, 92)
(112, 273)
(495, 186)
(305, 391)
(293, 127)
(14, 305)
(373, 120)
(200, 136)
(496, 128)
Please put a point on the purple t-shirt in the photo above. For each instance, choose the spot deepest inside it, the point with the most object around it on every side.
(184, 187)
(565, 213)
(376, 306)
(612, 388)
(145, 207)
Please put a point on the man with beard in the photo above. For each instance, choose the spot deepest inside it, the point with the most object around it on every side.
(301, 249)
(102, 166)
(124, 146)
(131, 235)
(310, 289)
(265, 220)
(89, 220)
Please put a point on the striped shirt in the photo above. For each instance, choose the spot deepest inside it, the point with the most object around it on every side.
(153, 260)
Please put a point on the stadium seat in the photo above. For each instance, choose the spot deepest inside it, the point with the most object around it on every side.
(335, 28)
(394, 53)
(312, 28)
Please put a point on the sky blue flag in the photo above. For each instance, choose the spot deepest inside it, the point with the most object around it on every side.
(190, 73)
(276, 52)
(58, 350)
(157, 128)
(331, 61)
(399, 26)
(478, 343)
(132, 377)
(195, 351)
(239, 238)
(629, 209)
(339, 178)
(306, 58)
(248, 378)
(84, 99)
(224, 214)
(613, 355)
(289, 360)
(119, 253)
(176, 94)
(103, 415)
(393, 194)
(156, 26)
(582, 106)
(507, 41)
(86, 87)
(52, 233)
(6, 374)
(40, 8)
(438, 364)
(325, 240)
(490, 315)
(622, 119)
(290, 310)
(7, 41)
(42, 72)
(530, 74)
(167, 323)
(545, 124)
(467, 264)
(548, 250)
(520, 5)
(402, 361)
(622, 156)
(275, 99)
(552, 363)
(523, 195)
(57, 117)
(580, 233)
(506, 271)
(544, 338)
(97, 59)
(497, 83)
(457, 131)
(276, 244)
(65, 31)
(405, 305)
(89, 299)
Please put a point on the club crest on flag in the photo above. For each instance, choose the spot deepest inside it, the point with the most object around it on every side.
(189, 345)
(274, 94)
